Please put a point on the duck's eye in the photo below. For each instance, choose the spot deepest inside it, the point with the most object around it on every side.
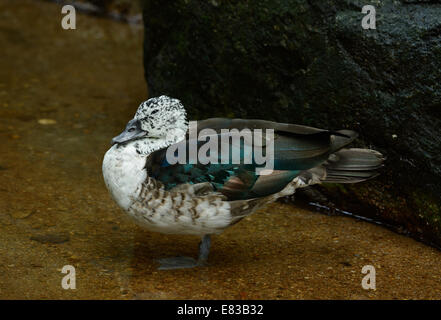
(131, 129)
(154, 111)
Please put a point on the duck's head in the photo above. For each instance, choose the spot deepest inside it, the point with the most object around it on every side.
(161, 118)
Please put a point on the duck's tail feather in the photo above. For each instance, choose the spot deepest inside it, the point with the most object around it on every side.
(347, 166)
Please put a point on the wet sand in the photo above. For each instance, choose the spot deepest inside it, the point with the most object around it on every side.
(56, 211)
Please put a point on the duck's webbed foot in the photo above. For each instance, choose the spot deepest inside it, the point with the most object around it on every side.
(187, 262)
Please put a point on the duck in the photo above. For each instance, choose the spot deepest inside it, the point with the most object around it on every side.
(171, 193)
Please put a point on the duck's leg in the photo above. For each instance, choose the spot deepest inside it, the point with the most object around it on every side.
(187, 262)
(204, 250)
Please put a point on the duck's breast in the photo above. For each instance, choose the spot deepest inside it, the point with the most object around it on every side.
(123, 172)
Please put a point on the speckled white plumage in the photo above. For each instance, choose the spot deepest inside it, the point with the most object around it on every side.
(180, 211)
(185, 209)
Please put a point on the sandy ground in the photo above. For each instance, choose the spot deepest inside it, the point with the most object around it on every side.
(55, 209)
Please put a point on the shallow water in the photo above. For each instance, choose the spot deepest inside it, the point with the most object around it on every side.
(55, 209)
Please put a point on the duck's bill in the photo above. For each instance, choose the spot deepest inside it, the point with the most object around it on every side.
(133, 131)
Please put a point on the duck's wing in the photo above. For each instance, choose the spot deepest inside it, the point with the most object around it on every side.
(295, 149)
(338, 139)
(227, 123)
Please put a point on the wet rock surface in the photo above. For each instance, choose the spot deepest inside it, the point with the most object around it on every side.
(311, 62)
(90, 82)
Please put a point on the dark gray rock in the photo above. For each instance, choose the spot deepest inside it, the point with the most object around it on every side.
(310, 62)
